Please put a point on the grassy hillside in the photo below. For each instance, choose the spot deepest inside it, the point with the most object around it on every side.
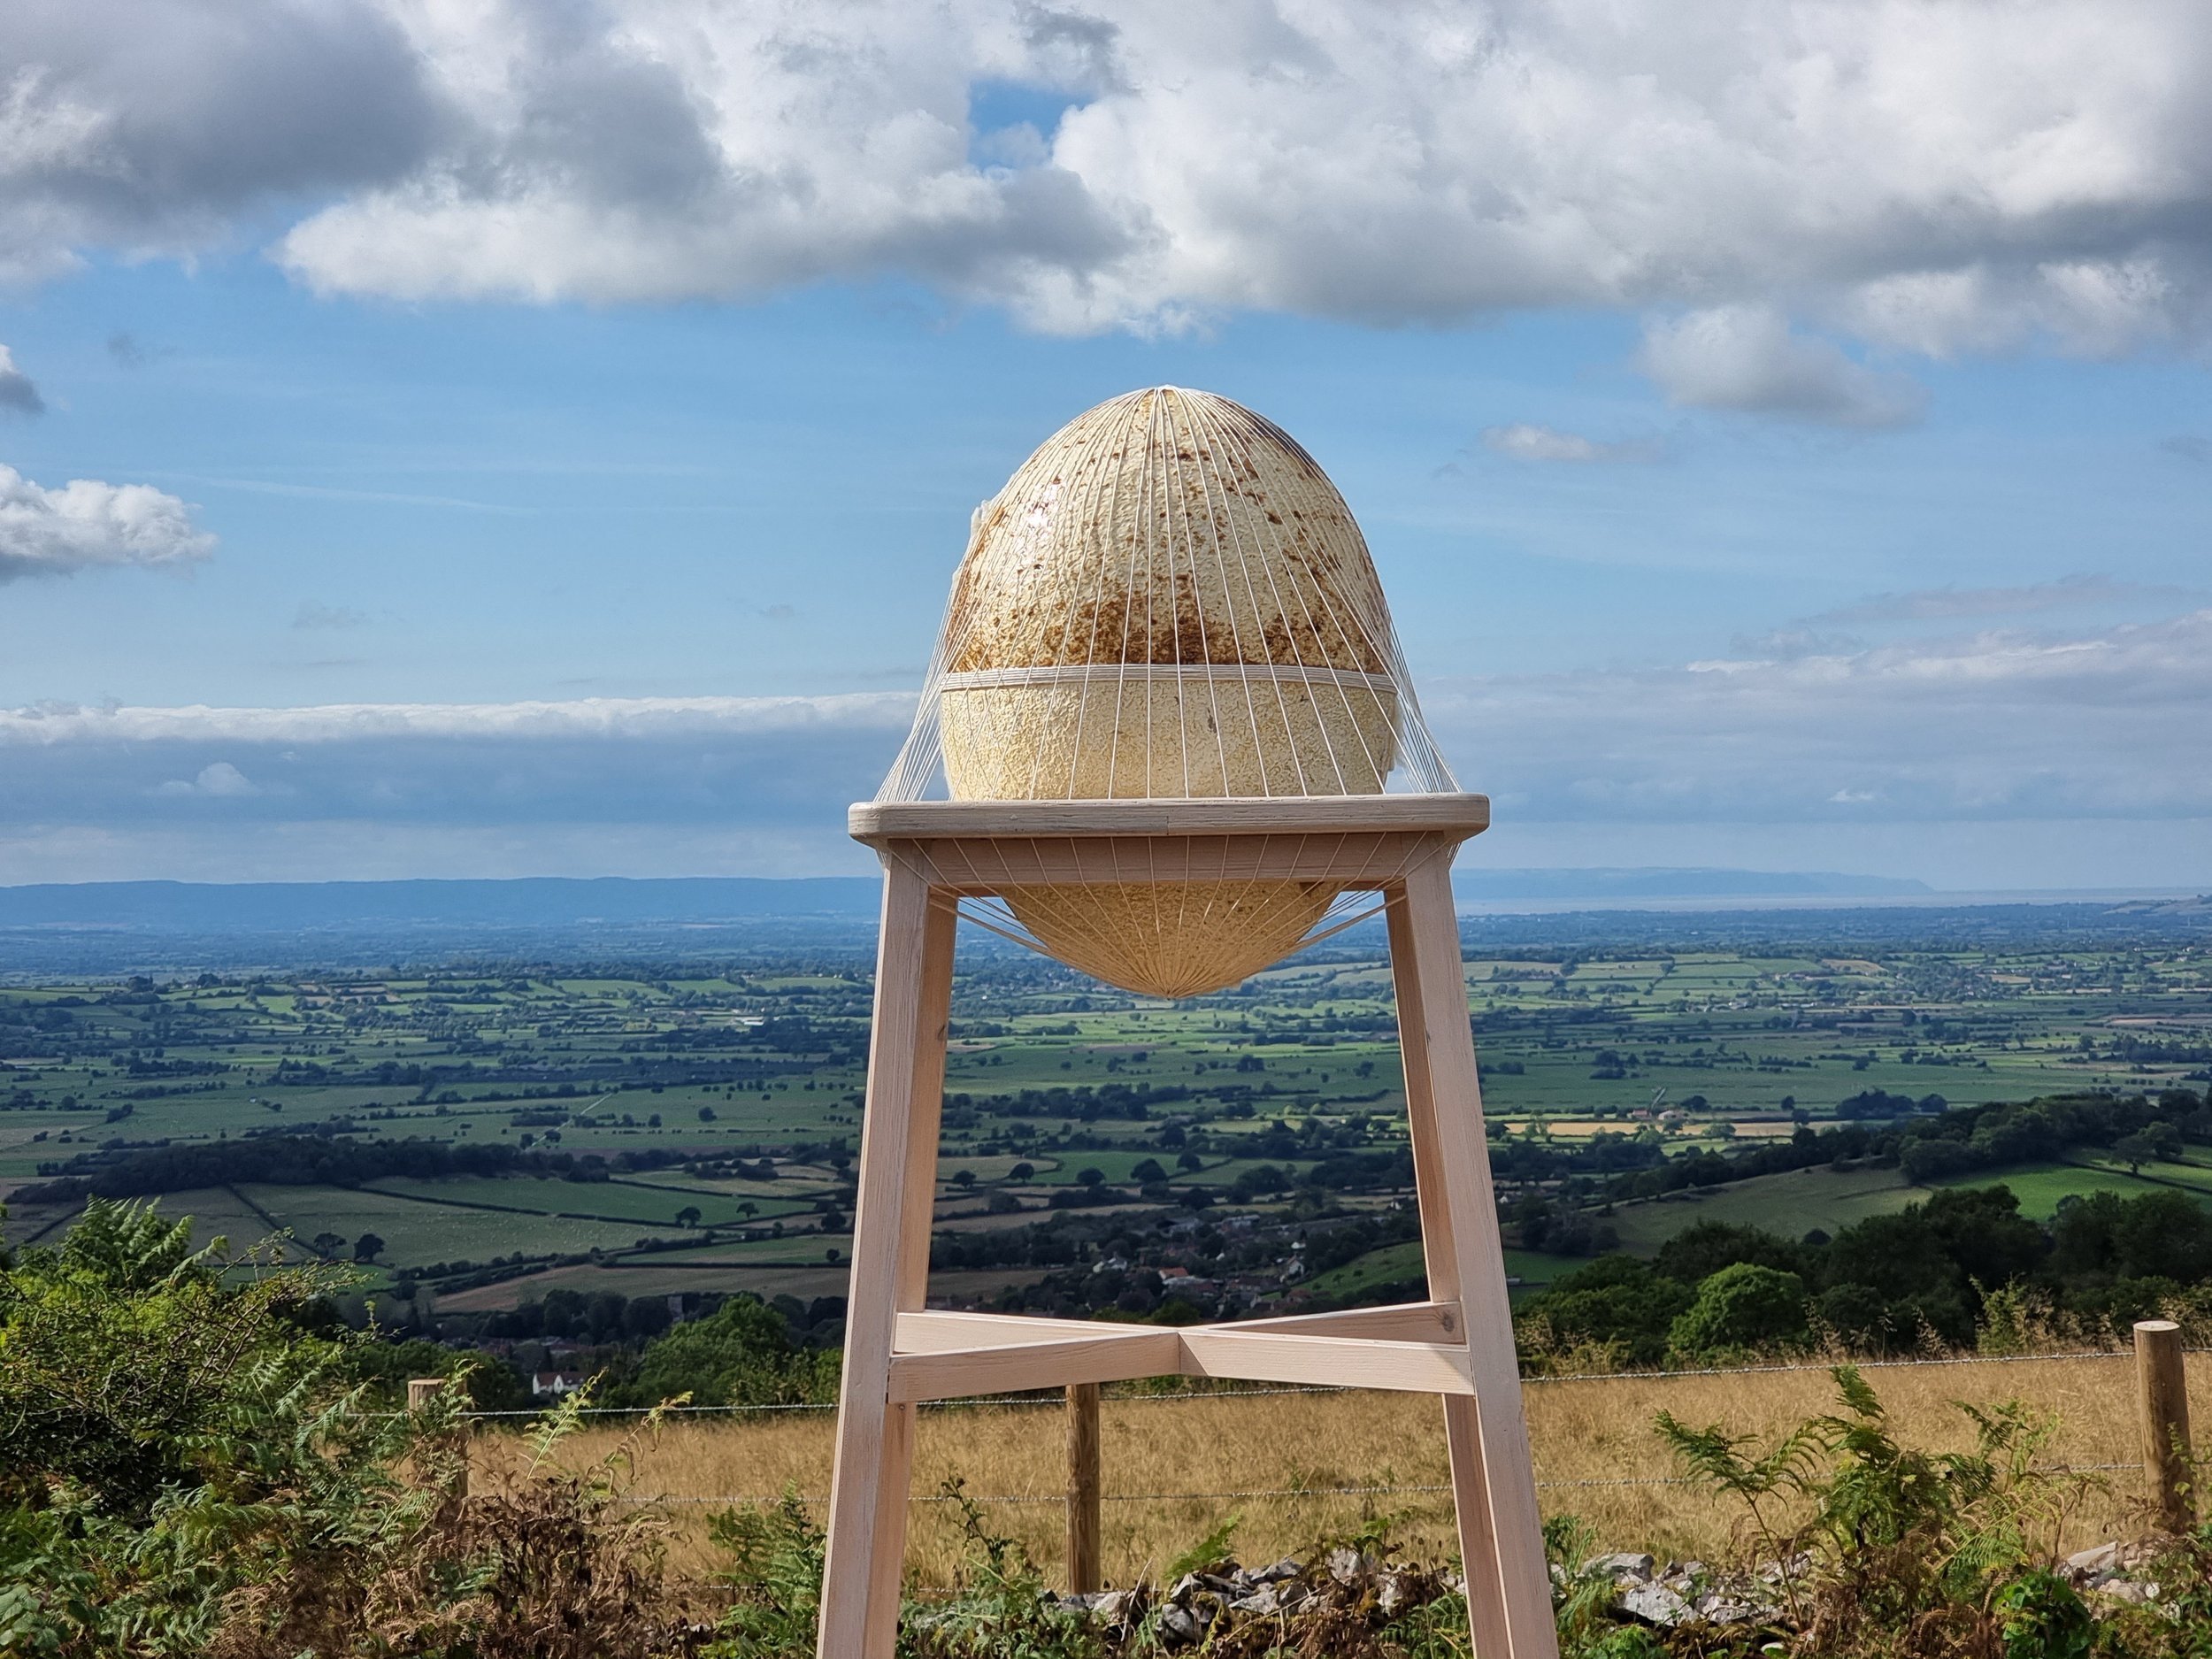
(1596, 1456)
(1828, 1199)
(1792, 1205)
(1394, 1263)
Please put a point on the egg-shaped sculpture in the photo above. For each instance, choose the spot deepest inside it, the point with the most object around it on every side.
(1169, 600)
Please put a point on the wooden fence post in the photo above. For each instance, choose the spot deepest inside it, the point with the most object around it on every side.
(421, 1390)
(1083, 1480)
(2164, 1389)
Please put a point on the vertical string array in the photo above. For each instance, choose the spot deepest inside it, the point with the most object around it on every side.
(1169, 600)
(1147, 484)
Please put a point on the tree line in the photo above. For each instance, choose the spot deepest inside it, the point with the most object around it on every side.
(292, 1159)
(1963, 1268)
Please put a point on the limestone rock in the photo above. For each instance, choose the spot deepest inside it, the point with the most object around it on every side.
(1180, 1627)
(1656, 1604)
(1347, 1565)
(1622, 1568)
(2096, 1559)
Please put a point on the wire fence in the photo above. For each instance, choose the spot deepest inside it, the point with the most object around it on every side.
(1053, 1400)
(1240, 1494)
(971, 1402)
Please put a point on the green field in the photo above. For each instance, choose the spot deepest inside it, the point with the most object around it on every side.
(1828, 1199)
(620, 1202)
(417, 1234)
(1394, 1263)
(663, 1095)
(1791, 1205)
(2041, 1186)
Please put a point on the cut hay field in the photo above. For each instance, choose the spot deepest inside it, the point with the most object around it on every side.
(1175, 1466)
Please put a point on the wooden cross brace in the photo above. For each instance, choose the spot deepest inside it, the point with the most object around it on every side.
(1458, 1346)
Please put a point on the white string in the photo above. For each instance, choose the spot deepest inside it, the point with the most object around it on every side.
(1239, 432)
(1062, 489)
(1268, 568)
(1376, 634)
(1112, 518)
(1166, 491)
(1085, 673)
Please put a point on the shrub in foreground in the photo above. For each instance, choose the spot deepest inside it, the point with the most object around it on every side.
(1876, 1551)
(185, 1469)
(190, 1464)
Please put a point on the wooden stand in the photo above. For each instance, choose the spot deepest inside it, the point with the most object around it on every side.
(1458, 1344)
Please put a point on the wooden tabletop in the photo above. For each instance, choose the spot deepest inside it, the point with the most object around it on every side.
(877, 822)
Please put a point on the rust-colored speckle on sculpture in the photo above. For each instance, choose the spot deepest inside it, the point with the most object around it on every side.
(1169, 600)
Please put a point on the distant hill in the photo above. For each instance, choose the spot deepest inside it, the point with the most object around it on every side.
(1474, 883)
(614, 901)
(115, 927)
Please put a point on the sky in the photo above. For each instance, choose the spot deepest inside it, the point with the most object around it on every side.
(485, 438)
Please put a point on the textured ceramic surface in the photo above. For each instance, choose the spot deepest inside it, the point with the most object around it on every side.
(1169, 526)
(1168, 600)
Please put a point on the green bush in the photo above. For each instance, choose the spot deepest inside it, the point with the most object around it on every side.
(741, 1354)
(2039, 1615)
(1911, 1552)
(1745, 1309)
(127, 1366)
(775, 1575)
(192, 1464)
(187, 1470)
(492, 1385)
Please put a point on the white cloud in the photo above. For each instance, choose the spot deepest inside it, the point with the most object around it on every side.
(47, 726)
(1938, 178)
(1525, 443)
(489, 788)
(1746, 358)
(1944, 740)
(752, 763)
(17, 391)
(187, 847)
(1994, 725)
(2067, 593)
(219, 780)
(151, 126)
(86, 523)
(636, 153)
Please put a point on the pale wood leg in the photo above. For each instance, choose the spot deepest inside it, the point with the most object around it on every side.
(1463, 1432)
(1500, 1532)
(890, 1272)
(1487, 1620)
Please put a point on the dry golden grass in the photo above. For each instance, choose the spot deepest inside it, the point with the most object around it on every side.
(1226, 1449)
